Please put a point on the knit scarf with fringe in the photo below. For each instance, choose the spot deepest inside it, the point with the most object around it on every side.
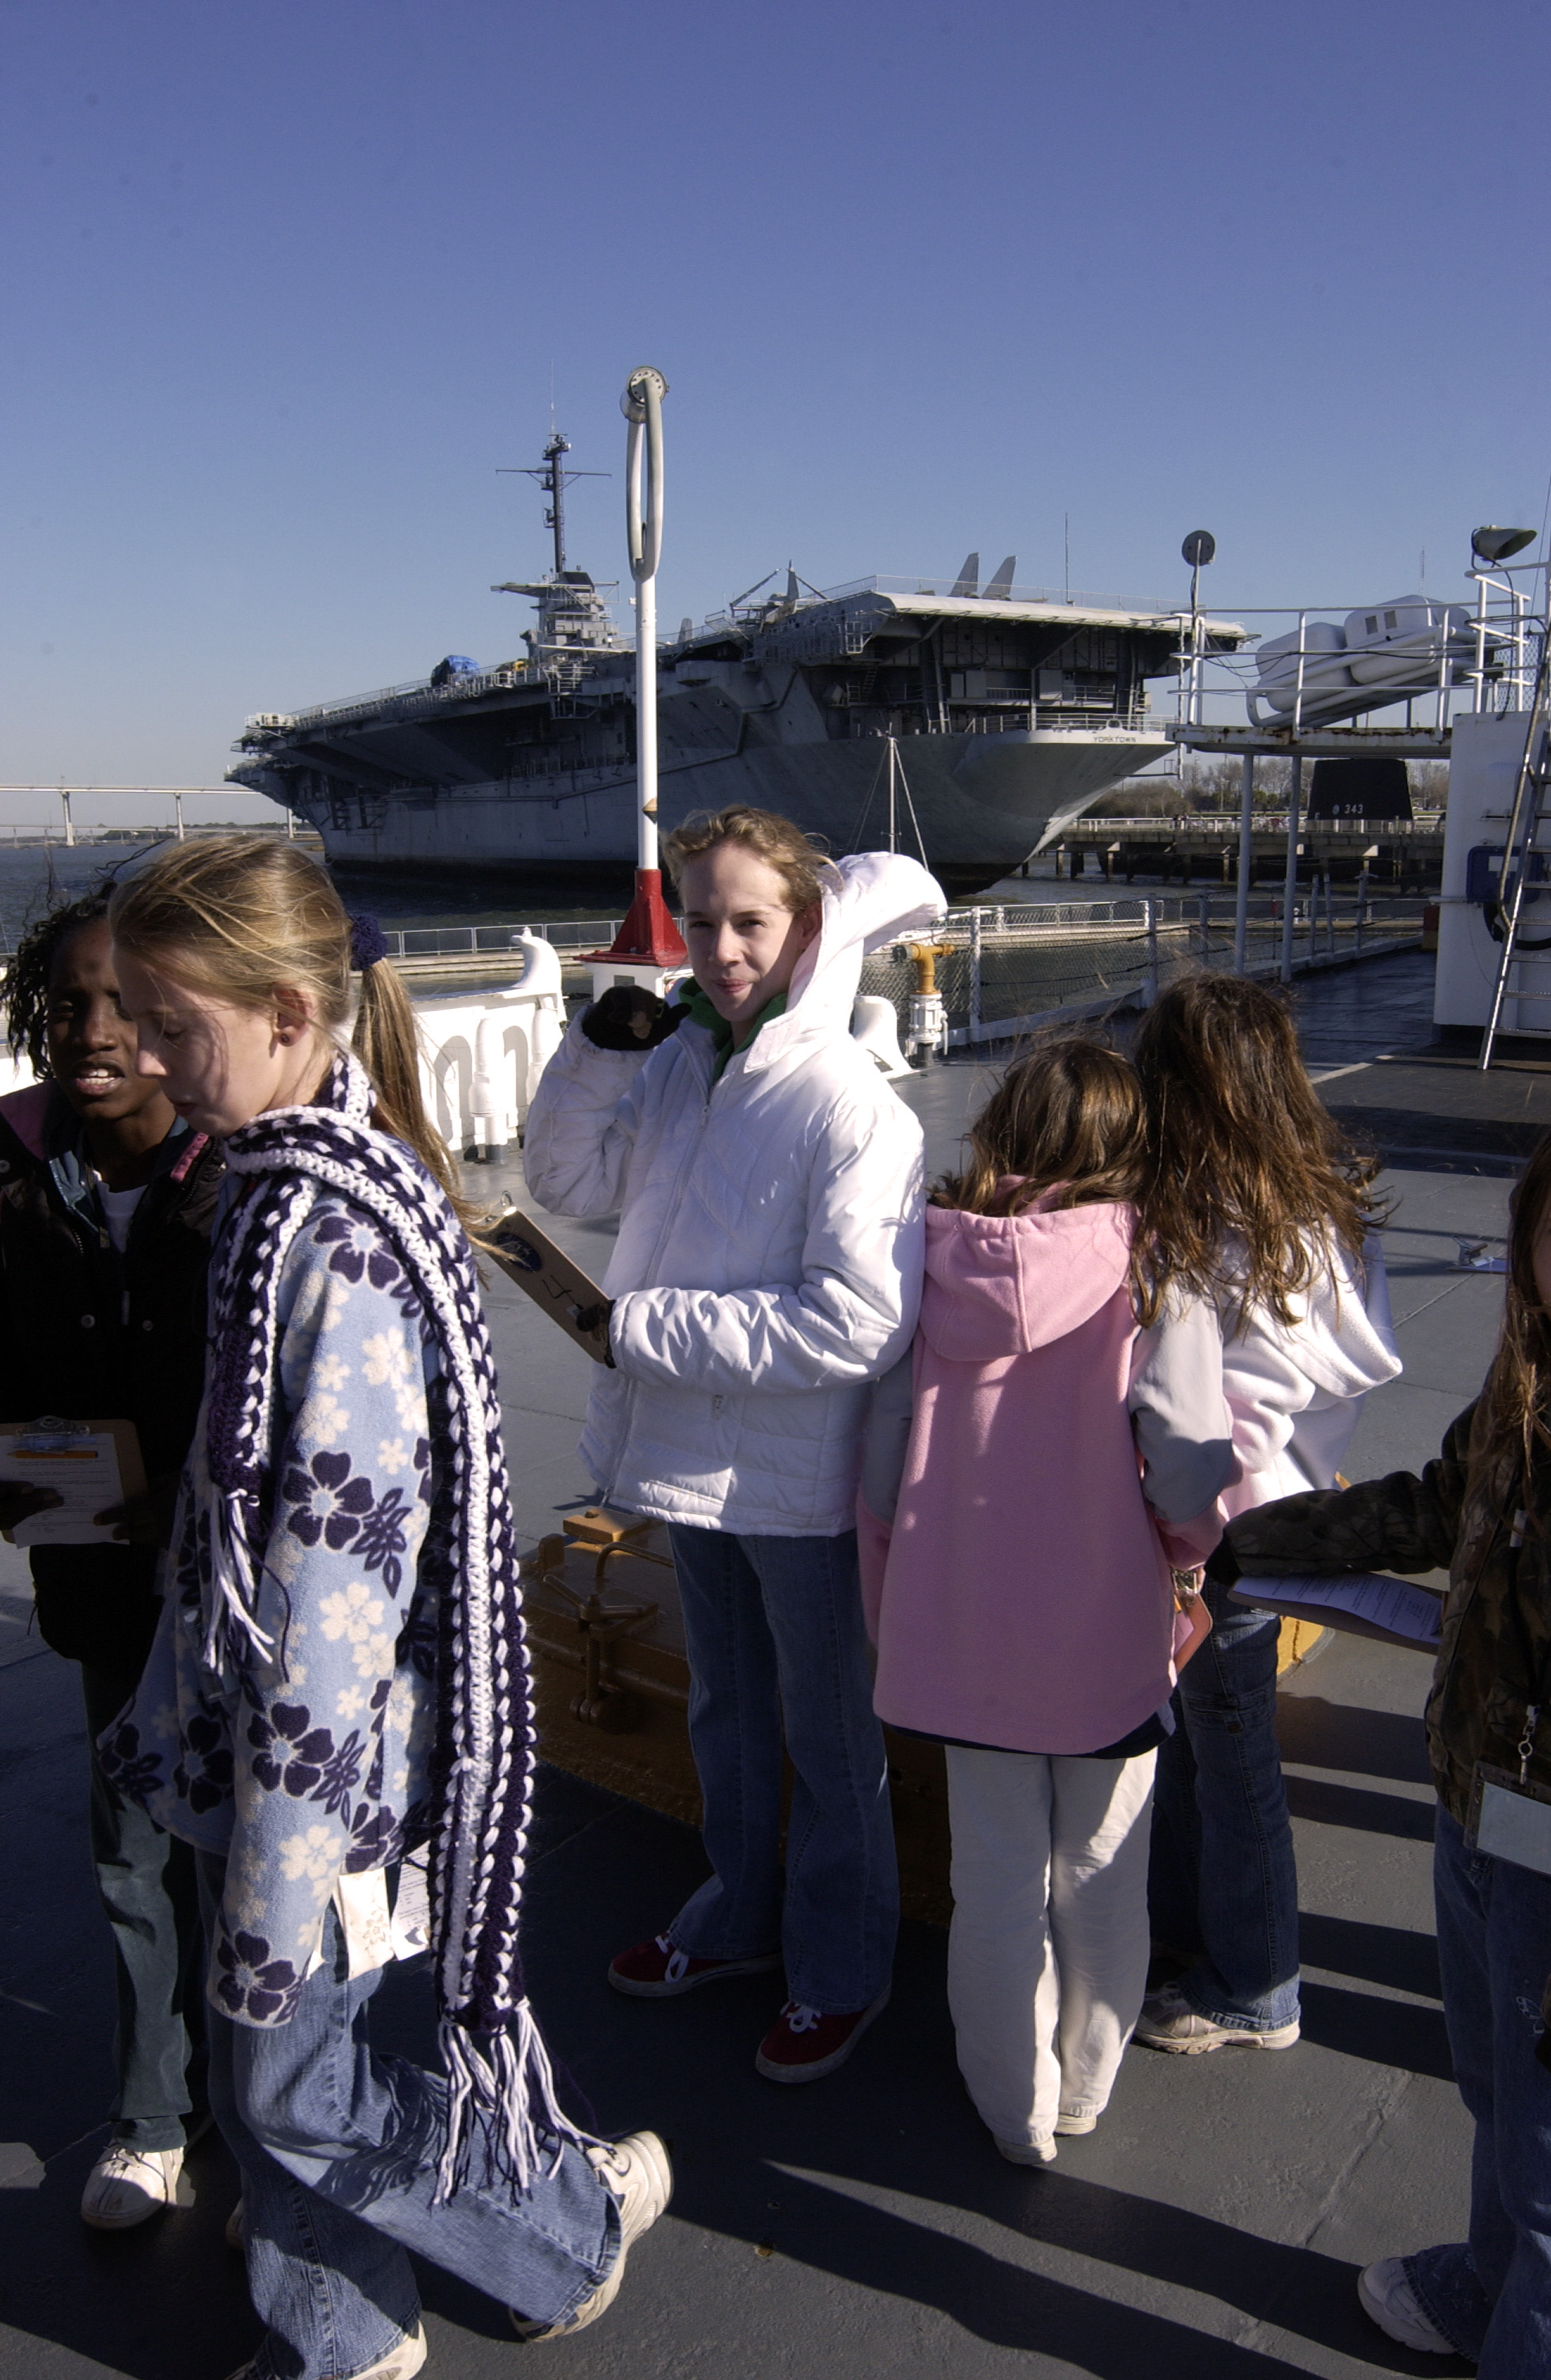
(501, 2089)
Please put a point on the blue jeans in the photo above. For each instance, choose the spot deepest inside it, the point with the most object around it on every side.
(338, 2150)
(150, 1897)
(773, 1630)
(1492, 2295)
(1223, 1884)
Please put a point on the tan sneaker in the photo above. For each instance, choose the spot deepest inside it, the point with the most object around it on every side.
(128, 2185)
(638, 2172)
(1169, 2021)
(1026, 2152)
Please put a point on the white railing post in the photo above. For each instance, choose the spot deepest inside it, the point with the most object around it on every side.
(70, 823)
(1289, 881)
(1149, 910)
(976, 920)
(1246, 865)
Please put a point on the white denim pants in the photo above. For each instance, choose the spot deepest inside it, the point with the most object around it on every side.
(1048, 1956)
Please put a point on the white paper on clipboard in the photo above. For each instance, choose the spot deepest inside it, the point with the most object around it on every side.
(91, 1465)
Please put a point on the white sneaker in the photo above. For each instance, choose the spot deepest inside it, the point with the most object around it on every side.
(128, 2185)
(401, 2363)
(638, 2172)
(1027, 2152)
(1070, 2127)
(1388, 2298)
(1168, 2021)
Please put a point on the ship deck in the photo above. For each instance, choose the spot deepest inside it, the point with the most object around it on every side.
(1211, 2228)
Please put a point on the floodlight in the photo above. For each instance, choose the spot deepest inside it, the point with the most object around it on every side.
(1496, 544)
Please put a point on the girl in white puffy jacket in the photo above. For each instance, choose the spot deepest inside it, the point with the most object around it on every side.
(767, 1271)
(1257, 1203)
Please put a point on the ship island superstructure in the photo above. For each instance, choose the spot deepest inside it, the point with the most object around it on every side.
(970, 722)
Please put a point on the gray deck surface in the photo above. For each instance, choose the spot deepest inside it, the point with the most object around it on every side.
(1210, 2228)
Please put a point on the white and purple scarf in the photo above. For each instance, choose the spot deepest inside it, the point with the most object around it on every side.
(500, 2086)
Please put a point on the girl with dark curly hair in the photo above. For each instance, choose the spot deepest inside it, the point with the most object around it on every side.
(105, 1204)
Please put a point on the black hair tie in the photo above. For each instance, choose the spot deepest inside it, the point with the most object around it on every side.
(368, 941)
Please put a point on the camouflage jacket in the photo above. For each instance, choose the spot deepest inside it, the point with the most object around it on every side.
(1495, 1661)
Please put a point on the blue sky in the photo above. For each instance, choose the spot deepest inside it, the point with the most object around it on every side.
(285, 285)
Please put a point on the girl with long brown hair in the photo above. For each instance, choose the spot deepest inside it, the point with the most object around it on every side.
(1257, 1203)
(1017, 1555)
(1483, 1508)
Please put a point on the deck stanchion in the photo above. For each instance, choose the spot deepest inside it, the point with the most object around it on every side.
(976, 920)
(1289, 885)
(1246, 866)
(1149, 910)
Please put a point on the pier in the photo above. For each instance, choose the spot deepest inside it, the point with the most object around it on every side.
(1394, 854)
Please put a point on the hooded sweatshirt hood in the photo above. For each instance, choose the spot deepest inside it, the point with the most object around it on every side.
(880, 896)
(1002, 1285)
(1295, 1390)
(1342, 1335)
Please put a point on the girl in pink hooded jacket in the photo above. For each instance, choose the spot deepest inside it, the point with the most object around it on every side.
(1032, 1473)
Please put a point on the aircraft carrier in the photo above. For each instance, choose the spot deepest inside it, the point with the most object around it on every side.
(965, 722)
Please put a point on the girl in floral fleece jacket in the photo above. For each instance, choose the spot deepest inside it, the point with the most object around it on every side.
(339, 1673)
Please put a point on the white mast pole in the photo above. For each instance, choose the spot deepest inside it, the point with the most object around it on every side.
(642, 407)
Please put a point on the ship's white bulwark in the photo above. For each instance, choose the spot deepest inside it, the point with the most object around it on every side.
(1483, 766)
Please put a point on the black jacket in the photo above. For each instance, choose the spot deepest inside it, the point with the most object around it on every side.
(89, 1334)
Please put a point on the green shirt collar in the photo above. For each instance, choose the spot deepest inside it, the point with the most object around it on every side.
(702, 1013)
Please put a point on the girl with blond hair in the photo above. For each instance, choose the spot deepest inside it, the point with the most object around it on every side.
(767, 1182)
(339, 1674)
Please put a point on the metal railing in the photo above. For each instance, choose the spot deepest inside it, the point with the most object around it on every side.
(1012, 966)
(1012, 969)
(1436, 660)
(399, 698)
(498, 941)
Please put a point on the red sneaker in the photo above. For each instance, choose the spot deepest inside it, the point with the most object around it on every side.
(801, 2045)
(655, 1970)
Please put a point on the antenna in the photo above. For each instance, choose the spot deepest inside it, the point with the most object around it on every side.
(554, 480)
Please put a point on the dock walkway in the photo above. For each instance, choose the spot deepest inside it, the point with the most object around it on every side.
(1211, 2228)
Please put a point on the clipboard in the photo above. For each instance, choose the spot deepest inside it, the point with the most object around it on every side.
(92, 1466)
(550, 1278)
(1359, 1603)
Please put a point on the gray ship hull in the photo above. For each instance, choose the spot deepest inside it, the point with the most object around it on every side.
(977, 804)
(998, 718)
